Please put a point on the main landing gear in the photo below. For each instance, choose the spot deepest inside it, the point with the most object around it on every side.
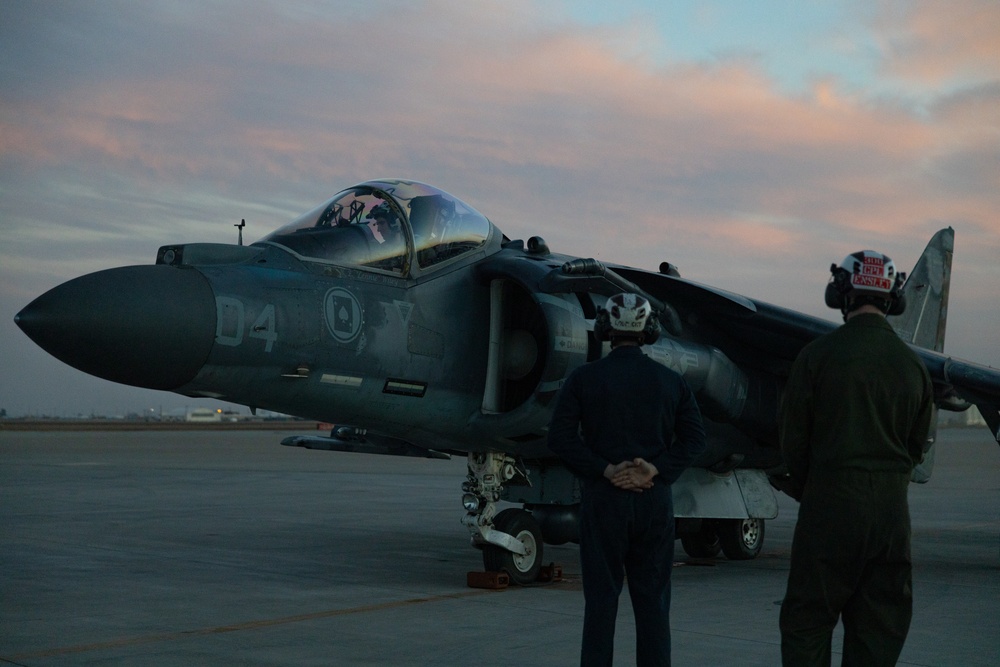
(511, 541)
(738, 539)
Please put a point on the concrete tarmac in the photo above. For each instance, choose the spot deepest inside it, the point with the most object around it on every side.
(224, 548)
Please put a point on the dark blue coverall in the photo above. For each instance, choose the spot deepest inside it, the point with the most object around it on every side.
(854, 422)
(628, 406)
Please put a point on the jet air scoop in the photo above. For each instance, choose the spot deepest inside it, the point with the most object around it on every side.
(146, 326)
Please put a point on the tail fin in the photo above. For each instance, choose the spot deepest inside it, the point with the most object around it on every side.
(923, 322)
(926, 291)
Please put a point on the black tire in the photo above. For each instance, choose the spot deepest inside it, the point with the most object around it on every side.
(702, 544)
(741, 539)
(522, 527)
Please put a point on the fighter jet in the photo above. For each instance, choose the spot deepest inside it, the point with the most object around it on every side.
(404, 317)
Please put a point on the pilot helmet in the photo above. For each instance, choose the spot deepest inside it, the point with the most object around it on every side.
(866, 277)
(627, 315)
(382, 210)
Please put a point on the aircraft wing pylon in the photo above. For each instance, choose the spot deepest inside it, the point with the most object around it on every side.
(362, 443)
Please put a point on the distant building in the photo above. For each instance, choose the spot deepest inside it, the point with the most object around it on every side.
(204, 415)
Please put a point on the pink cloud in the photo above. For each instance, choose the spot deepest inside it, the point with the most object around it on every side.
(935, 41)
(569, 121)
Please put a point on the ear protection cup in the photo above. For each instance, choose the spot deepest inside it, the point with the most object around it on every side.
(651, 332)
(837, 288)
(898, 305)
(834, 299)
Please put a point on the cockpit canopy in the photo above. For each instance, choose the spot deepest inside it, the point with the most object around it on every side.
(387, 225)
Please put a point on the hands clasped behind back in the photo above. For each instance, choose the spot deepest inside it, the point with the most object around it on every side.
(634, 475)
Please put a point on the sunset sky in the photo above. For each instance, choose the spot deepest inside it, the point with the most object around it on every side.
(749, 143)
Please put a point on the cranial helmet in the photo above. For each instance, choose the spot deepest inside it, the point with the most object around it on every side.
(382, 210)
(627, 315)
(866, 277)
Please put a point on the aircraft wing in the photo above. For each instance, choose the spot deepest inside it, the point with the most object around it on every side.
(769, 338)
(964, 384)
(747, 330)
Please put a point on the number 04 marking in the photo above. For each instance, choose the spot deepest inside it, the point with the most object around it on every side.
(231, 321)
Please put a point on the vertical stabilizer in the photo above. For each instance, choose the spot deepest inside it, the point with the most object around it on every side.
(923, 322)
(926, 291)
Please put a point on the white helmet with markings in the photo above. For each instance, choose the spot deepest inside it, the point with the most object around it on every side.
(866, 277)
(627, 315)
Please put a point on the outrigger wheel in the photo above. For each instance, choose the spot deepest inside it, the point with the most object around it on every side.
(522, 569)
(741, 539)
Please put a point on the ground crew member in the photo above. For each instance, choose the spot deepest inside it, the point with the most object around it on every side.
(854, 422)
(640, 428)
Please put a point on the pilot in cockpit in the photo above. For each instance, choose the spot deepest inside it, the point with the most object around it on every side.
(389, 248)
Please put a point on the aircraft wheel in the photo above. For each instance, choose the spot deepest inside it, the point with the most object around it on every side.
(703, 544)
(523, 527)
(741, 539)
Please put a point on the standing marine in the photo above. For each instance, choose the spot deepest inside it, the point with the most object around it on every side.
(854, 421)
(627, 427)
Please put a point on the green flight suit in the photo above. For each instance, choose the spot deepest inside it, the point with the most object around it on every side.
(854, 422)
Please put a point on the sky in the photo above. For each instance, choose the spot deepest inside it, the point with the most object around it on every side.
(750, 144)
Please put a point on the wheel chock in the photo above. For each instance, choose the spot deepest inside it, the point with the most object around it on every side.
(494, 581)
(550, 573)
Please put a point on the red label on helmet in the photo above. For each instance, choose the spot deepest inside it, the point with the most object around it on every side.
(871, 282)
(871, 260)
(872, 269)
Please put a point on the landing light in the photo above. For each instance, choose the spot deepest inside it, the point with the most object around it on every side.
(470, 501)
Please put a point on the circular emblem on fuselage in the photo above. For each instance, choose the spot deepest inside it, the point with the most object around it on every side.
(343, 315)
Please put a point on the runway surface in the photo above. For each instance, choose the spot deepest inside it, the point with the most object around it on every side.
(225, 548)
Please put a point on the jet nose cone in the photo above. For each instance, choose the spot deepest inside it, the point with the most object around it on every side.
(147, 326)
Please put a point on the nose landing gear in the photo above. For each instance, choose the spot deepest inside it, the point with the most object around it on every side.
(511, 541)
